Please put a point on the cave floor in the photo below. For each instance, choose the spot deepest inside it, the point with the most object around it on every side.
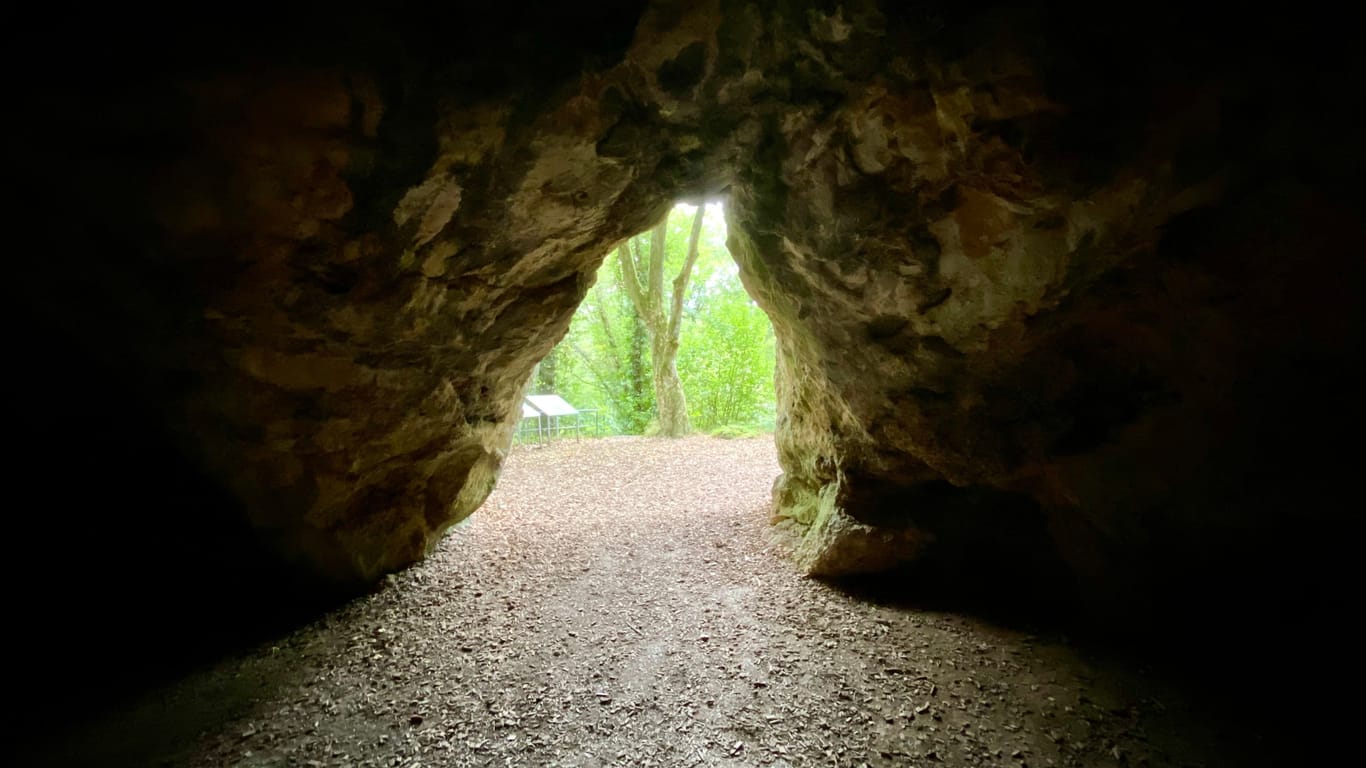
(622, 602)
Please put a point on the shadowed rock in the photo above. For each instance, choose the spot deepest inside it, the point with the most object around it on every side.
(1106, 272)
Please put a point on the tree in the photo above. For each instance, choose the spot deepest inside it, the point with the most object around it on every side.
(727, 354)
(662, 325)
(638, 395)
(544, 375)
(602, 363)
(725, 349)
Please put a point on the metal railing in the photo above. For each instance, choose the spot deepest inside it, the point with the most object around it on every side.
(540, 430)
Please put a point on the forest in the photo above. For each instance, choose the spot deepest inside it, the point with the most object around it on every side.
(667, 342)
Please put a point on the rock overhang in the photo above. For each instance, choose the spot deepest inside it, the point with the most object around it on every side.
(1003, 255)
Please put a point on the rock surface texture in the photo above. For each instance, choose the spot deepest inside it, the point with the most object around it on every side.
(1061, 301)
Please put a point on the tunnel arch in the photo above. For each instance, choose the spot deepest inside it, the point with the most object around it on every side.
(998, 253)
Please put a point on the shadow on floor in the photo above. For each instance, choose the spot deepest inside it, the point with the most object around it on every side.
(1269, 677)
(139, 702)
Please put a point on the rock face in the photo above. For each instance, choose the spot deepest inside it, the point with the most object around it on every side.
(1058, 300)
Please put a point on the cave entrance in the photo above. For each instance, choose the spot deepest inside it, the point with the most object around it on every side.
(667, 342)
(612, 499)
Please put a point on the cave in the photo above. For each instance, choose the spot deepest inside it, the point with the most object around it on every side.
(1070, 290)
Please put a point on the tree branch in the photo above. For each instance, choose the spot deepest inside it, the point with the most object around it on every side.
(628, 276)
(684, 274)
(603, 383)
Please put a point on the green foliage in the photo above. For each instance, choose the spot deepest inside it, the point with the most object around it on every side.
(736, 431)
(604, 362)
(546, 371)
(726, 354)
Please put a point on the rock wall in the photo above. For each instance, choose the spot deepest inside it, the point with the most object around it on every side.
(1060, 300)
(1043, 294)
(1052, 310)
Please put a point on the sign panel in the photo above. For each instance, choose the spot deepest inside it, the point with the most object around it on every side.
(551, 405)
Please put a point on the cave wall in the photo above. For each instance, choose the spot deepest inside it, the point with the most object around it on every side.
(1051, 297)
(1054, 294)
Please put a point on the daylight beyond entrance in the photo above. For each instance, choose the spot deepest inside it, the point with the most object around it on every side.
(667, 342)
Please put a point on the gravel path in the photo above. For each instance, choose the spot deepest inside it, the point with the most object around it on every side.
(619, 602)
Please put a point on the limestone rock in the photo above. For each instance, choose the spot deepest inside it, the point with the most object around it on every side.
(1100, 276)
(838, 545)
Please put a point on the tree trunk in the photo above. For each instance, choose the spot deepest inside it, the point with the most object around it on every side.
(639, 397)
(671, 407)
(670, 404)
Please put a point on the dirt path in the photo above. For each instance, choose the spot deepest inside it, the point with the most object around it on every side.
(618, 602)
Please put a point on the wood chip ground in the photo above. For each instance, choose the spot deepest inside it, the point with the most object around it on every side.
(620, 602)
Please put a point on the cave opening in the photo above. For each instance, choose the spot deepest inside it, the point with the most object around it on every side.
(659, 396)
(667, 341)
(1065, 286)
